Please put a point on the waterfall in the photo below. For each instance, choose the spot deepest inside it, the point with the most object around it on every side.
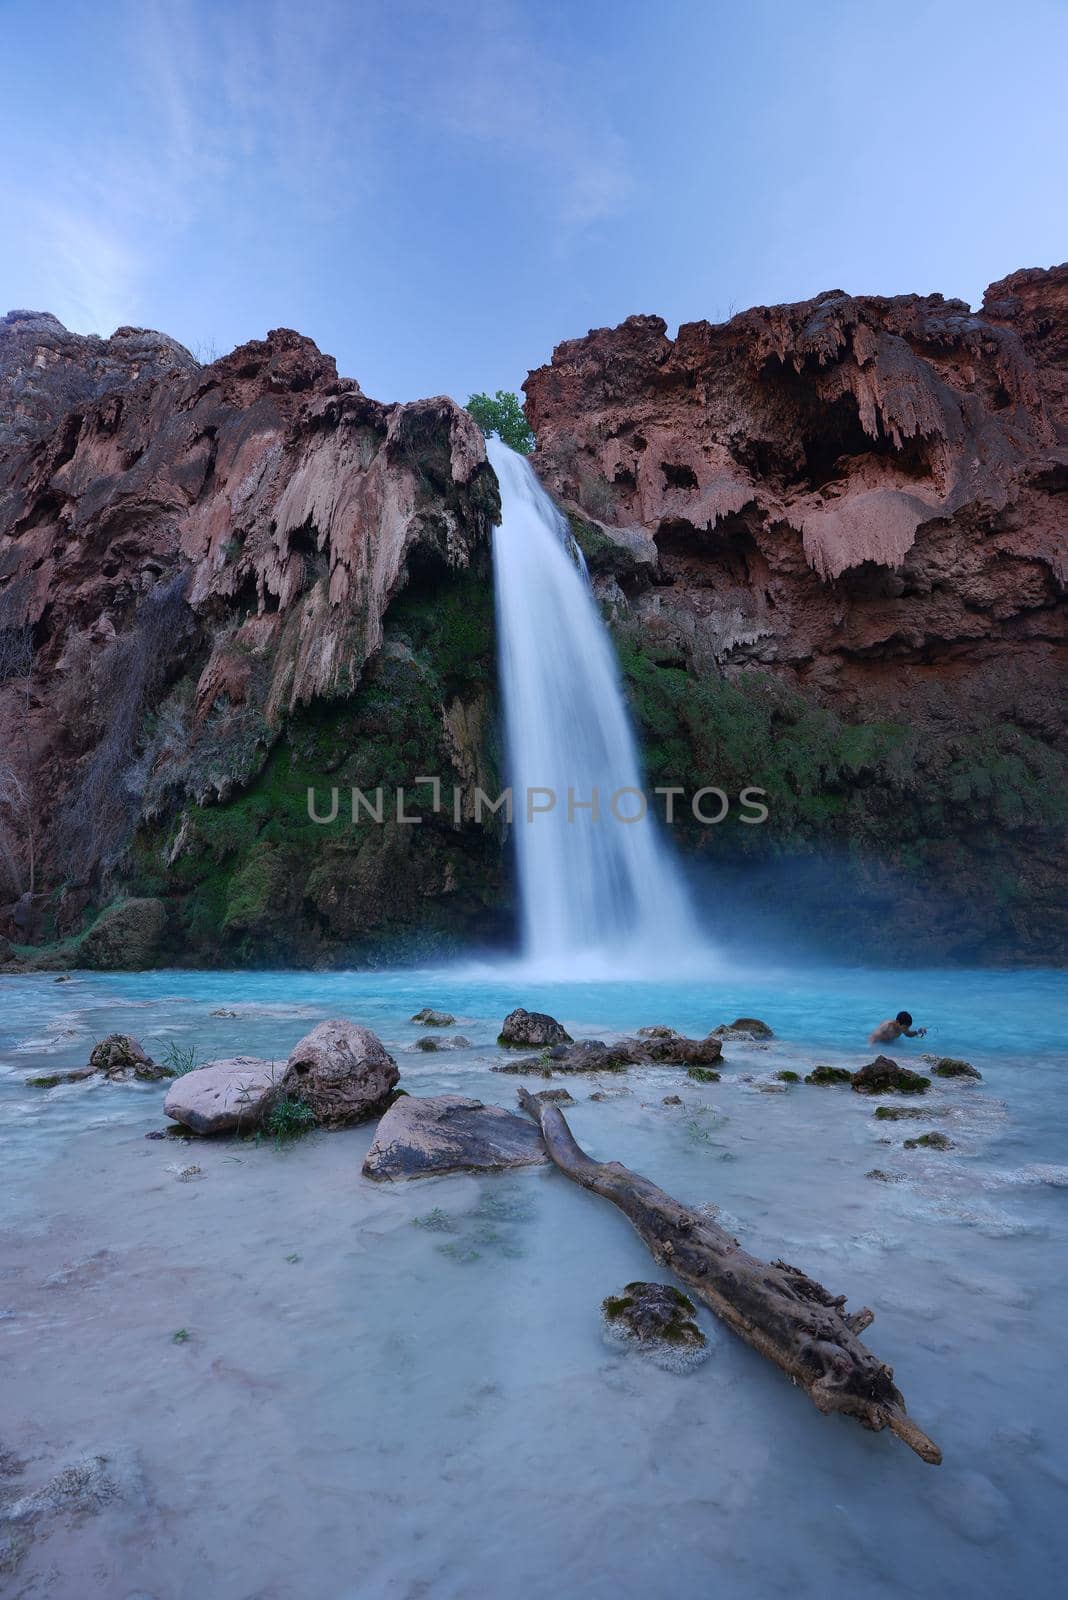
(596, 895)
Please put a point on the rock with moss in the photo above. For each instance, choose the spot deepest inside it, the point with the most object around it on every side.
(823, 1075)
(657, 1320)
(883, 1076)
(526, 1030)
(421, 1136)
(703, 1074)
(119, 1056)
(125, 937)
(50, 1080)
(429, 1018)
(907, 1113)
(788, 1076)
(930, 1141)
(342, 1071)
(951, 1067)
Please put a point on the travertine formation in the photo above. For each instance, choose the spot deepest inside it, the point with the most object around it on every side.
(864, 495)
(830, 538)
(190, 558)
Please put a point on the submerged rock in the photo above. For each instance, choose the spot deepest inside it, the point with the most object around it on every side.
(703, 1074)
(950, 1067)
(531, 1030)
(661, 1048)
(885, 1177)
(423, 1135)
(824, 1075)
(429, 1018)
(49, 1080)
(930, 1141)
(901, 1113)
(342, 1071)
(883, 1076)
(431, 1042)
(787, 1076)
(229, 1096)
(658, 1320)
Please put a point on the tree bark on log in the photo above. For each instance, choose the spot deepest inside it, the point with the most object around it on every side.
(777, 1309)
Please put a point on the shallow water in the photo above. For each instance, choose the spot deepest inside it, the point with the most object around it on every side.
(422, 1404)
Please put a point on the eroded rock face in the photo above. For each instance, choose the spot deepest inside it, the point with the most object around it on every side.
(230, 1096)
(849, 508)
(420, 1136)
(343, 1072)
(190, 557)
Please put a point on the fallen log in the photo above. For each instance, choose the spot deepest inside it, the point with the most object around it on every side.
(777, 1309)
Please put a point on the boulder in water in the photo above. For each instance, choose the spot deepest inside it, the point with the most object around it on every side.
(950, 1067)
(703, 1074)
(430, 1042)
(824, 1075)
(342, 1071)
(420, 1136)
(429, 1018)
(744, 1028)
(228, 1097)
(526, 1030)
(119, 1056)
(678, 1051)
(595, 1055)
(658, 1320)
(883, 1076)
(930, 1141)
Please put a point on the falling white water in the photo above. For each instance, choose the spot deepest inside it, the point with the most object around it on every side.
(598, 895)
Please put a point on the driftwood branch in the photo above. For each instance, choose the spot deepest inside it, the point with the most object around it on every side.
(777, 1309)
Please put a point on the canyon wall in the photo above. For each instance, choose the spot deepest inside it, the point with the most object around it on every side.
(218, 586)
(830, 540)
(833, 539)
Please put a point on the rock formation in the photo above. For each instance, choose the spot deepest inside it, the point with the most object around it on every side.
(830, 538)
(843, 523)
(196, 566)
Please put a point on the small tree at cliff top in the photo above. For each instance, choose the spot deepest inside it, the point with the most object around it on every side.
(502, 414)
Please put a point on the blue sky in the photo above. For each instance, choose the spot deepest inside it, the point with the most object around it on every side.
(439, 192)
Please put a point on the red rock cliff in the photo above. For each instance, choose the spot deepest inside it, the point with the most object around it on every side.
(863, 495)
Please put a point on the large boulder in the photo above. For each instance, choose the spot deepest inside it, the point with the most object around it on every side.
(531, 1030)
(230, 1096)
(342, 1071)
(125, 937)
(424, 1135)
(883, 1076)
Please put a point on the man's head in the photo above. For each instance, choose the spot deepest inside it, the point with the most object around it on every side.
(905, 1019)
